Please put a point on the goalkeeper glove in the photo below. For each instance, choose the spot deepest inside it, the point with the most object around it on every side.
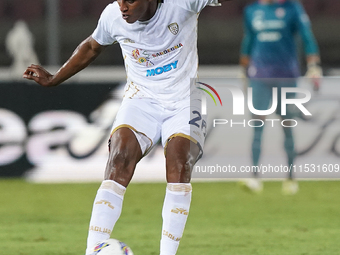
(243, 75)
(314, 72)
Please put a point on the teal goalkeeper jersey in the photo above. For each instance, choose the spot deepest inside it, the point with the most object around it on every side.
(269, 38)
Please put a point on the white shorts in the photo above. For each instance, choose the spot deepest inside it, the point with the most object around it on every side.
(152, 122)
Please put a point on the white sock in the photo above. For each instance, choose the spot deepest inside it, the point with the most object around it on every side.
(106, 210)
(175, 213)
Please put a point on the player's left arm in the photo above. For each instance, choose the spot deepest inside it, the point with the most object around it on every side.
(313, 61)
(84, 54)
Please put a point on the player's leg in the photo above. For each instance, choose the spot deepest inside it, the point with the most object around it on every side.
(124, 154)
(181, 155)
(255, 184)
(183, 133)
(134, 132)
(289, 186)
(290, 114)
(257, 141)
(289, 146)
(261, 97)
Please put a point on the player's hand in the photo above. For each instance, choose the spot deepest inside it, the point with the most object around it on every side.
(38, 74)
(314, 72)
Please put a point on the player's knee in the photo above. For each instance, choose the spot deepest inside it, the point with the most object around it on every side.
(180, 159)
(120, 165)
(179, 172)
(119, 159)
(185, 166)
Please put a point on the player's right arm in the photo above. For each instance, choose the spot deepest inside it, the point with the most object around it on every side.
(247, 42)
(84, 54)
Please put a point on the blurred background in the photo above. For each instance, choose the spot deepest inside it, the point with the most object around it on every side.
(59, 25)
(49, 133)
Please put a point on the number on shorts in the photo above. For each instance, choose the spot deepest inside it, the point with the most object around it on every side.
(195, 121)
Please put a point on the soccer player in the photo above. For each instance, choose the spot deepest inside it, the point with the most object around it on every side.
(159, 45)
(269, 59)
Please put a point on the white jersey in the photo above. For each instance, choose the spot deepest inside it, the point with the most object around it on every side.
(160, 54)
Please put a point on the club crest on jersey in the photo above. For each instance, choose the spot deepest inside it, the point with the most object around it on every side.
(280, 13)
(174, 28)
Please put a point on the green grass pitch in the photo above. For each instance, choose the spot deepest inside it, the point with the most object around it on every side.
(52, 219)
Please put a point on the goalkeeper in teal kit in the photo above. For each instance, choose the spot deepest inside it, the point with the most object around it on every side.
(269, 59)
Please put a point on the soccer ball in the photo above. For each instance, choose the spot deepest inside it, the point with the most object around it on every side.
(111, 247)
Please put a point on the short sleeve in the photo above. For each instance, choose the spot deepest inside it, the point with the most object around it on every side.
(103, 33)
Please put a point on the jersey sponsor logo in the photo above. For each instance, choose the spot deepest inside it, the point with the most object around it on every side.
(160, 70)
(174, 28)
(142, 57)
(269, 36)
(261, 25)
(259, 22)
(145, 58)
(164, 52)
